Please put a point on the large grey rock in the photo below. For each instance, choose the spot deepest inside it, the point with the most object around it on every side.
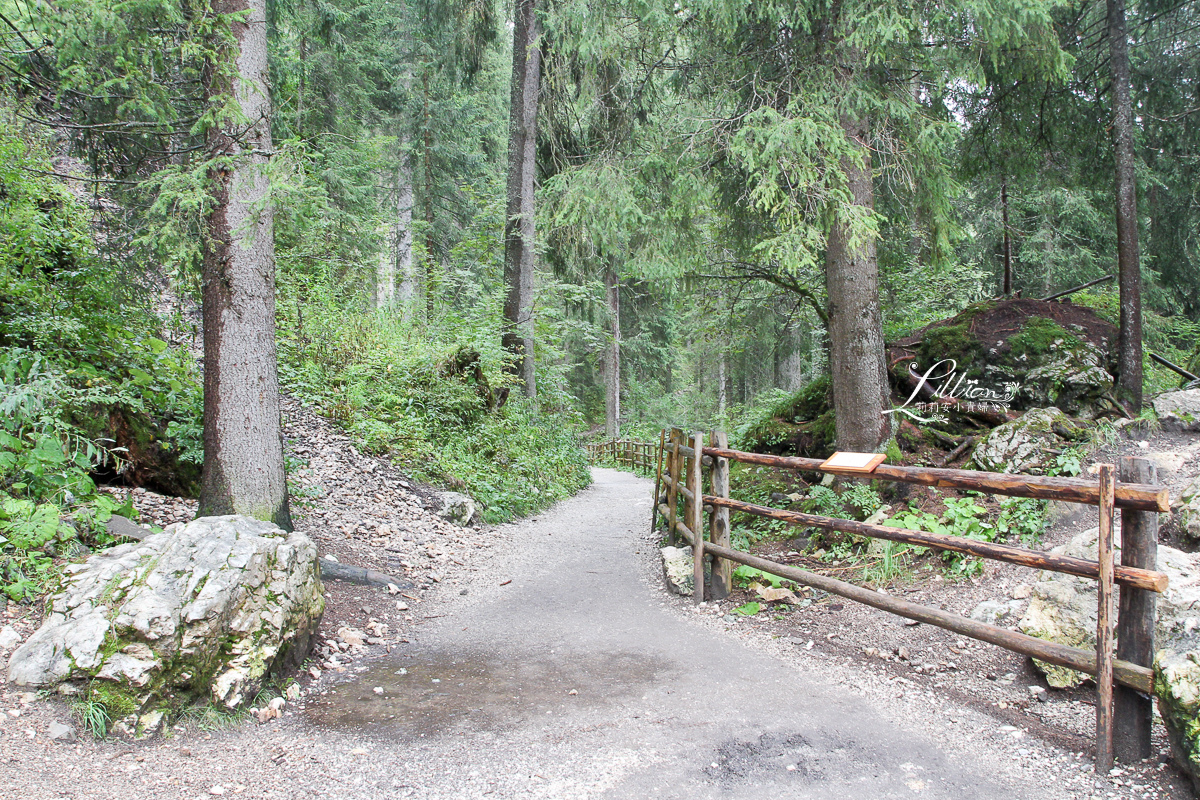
(457, 508)
(679, 569)
(204, 611)
(1024, 444)
(1179, 411)
(1063, 607)
(1189, 508)
(1072, 376)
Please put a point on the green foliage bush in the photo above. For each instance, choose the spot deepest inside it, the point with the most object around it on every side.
(414, 393)
(77, 351)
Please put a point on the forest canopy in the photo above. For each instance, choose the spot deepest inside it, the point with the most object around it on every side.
(681, 187)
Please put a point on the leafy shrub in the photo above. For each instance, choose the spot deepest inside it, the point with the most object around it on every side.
(78, 353)
(429, 399)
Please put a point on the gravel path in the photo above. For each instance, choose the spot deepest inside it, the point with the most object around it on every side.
(551, 664)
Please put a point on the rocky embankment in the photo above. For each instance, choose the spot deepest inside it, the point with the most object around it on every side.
(360, 511)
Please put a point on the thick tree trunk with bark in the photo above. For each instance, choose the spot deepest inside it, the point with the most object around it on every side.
(1129, 356)
(395, 281)
(243, 445)
(612, 360)
(407, 292)
(722, 378)
(1007, 255)
(522, 161)
(857, 364)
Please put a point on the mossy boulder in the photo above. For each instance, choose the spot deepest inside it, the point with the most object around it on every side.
(1056, 354)
(1062, 609)
(1179, 411)
(201, 612)
(1028, 444)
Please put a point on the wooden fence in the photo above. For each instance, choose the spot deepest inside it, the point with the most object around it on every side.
(680, 475)
(623, 452)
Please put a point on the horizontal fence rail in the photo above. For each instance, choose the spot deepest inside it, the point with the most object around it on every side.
(1129, 576)
(1135, 496)
(681, 501)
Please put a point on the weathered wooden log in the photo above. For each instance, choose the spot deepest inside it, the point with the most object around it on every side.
(1133, 712)
(958, 451)
(1138, 677)
(718, 528)
(337, 571)
(1141, 497)
(679, 526)
(1104, 623)
(695, 517)
(662, 442)
(673, 470)
(1128, 576)
(1078, 288)
(944, 438)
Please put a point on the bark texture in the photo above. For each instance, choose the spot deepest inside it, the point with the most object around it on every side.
(395, 281)
(243, 445)
(407, 292)
(1007, 254)
(856, 355)
(612, 360)
(1129, 357)
(522, 162)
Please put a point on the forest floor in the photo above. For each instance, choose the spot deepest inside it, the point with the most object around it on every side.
(545, 659)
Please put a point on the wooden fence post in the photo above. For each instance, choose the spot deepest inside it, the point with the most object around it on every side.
(1104, 623)
(1133, 711)
(695, 517)
(718, 531)
(673, 485)
(662, 439)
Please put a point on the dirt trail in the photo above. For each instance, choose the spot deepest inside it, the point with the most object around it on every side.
(556, 667)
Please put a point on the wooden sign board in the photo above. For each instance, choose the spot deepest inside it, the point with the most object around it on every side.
(853, 462)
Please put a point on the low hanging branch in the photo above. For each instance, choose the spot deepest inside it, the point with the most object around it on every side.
(1078, 288)
(1174, 367)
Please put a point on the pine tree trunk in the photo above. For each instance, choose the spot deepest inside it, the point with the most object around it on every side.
(431, 275)
(405, 266)
(857, 366)
(385, 271)
(612, 363)
(722, 377)
(791, 376)
(404, 235)
(1008, 274)
(1129, 358)
(243, 445)
(519, 233)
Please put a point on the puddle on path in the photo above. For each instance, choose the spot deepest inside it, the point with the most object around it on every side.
(434, 693)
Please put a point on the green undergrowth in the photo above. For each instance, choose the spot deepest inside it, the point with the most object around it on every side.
(438, 403)
(86, 385)
(1014, 520)
(1175, 337)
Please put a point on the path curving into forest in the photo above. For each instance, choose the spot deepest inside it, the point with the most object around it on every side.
(581, 678)
(557, 667)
